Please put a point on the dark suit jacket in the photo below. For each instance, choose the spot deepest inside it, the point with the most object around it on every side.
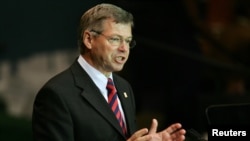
(70, 107)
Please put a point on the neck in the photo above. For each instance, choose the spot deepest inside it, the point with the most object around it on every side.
(90, 62)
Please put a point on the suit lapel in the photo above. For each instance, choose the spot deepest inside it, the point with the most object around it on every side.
(92, 94)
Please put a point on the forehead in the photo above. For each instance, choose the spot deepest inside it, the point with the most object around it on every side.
(112, 27)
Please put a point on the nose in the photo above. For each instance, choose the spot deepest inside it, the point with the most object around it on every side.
(124, 46)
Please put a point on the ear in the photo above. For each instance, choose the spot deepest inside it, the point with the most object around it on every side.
(87, 39)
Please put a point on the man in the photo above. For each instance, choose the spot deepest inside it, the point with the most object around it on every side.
(75, 105)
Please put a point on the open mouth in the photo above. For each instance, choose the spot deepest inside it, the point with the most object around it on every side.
(120, 59)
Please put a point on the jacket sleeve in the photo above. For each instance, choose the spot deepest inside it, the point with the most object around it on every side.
(51, 120)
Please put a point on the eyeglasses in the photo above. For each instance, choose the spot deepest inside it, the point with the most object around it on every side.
(117, 40)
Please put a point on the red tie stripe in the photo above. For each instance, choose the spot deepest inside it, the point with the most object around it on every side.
(113, 103)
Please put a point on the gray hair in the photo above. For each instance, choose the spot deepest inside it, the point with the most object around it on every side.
(93, 18)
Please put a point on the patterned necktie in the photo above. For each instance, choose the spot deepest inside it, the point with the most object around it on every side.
(113, 103)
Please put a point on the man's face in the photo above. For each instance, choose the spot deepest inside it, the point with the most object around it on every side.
(110, 49)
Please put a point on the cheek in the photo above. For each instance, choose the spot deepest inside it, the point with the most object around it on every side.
(102, 50)
(97, 49)
(100, 47)
(101, 53)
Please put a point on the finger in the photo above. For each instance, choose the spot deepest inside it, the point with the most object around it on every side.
(179, 138)
(178, 135)
(153, 127)
(138, 134)
(173, 128)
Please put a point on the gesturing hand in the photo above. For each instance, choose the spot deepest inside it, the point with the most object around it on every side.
(172, 133)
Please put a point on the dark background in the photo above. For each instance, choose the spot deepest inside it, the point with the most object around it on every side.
(173, 75)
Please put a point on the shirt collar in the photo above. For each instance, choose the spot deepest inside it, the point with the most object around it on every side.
(99, 78)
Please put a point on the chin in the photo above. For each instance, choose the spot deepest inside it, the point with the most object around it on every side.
(118, 68)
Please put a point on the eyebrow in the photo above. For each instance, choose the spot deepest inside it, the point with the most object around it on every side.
(122, 36)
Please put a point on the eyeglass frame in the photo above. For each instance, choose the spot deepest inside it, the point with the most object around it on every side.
(119, 40)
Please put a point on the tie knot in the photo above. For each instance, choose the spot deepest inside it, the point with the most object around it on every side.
(110, 82)
(111, 87)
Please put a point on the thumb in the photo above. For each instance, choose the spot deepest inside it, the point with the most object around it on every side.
(153, 127)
